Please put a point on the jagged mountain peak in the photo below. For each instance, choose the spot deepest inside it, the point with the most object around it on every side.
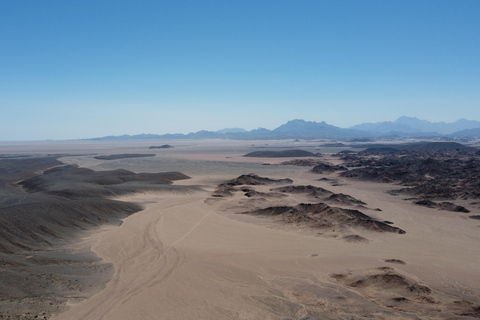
(301, 129)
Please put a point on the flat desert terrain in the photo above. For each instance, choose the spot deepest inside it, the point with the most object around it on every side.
(213, 247)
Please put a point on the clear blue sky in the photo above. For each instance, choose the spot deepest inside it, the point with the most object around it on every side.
(80, 69)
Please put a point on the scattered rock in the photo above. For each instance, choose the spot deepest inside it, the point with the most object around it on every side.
(394, 261)
(447, 206)
(165, 146)
(326, 167)
(355, 238)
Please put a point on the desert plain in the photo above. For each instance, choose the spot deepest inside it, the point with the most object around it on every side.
(199, 231)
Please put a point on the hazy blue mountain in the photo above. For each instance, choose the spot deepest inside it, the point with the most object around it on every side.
(302, 129)
(468, 133)
(384, 127)
(440, 127)
(415, 125)
(403, 127)
(231, 130)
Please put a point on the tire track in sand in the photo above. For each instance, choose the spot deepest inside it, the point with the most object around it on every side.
(162, 265)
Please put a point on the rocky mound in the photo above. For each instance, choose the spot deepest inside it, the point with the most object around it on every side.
(398, 261)
(250, 192)
(377, 150)
(333, 145)
(321, 193)
(227, 189)
(418, 146)
(322, 216)
(448, 206)
(355, 238)
(280, 154)
(124, 156)
(72, 182)
(164, 146)
(43, 225)
(301, 162)
(344, 199)
(442, 175)
(309, 190)
(387, 278)
(326, 167)
(254, 180)
(391, 289)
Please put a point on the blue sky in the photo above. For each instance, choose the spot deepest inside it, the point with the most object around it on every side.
(80, 69)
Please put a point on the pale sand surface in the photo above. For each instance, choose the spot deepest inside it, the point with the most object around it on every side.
(187, 258)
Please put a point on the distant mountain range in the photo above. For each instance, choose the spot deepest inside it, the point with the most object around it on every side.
(415, 125)
(403, 127)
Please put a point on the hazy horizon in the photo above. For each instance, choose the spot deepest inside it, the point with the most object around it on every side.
(218, 130)
(87, 69)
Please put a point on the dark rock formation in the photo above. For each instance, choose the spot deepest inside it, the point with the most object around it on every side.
(253, 180)
(226, 189)
(280, 154)
(321, 216)
(309, 190)
(321, 193)
(355, 238)
(75, 183)
(448, 206)
(326, 167)
(344, 198)
(164, 146)
(395, 261)
(250, 192)
(301, 162)
(442, 175)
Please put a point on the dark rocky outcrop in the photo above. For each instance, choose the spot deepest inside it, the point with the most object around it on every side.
(44, 209)
(417, 146)
(280, 154)
(301, 162)
(321, 193)
(321, 216)
(227, 189)
(441, 175)
(309, 190)
(344, 199)
(448, 206)
(327, 168)
(163, 146)
(398, 261)
(253, 180)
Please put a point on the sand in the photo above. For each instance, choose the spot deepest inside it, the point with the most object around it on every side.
(191, 256)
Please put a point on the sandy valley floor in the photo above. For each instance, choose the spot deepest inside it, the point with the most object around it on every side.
(192, 256)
